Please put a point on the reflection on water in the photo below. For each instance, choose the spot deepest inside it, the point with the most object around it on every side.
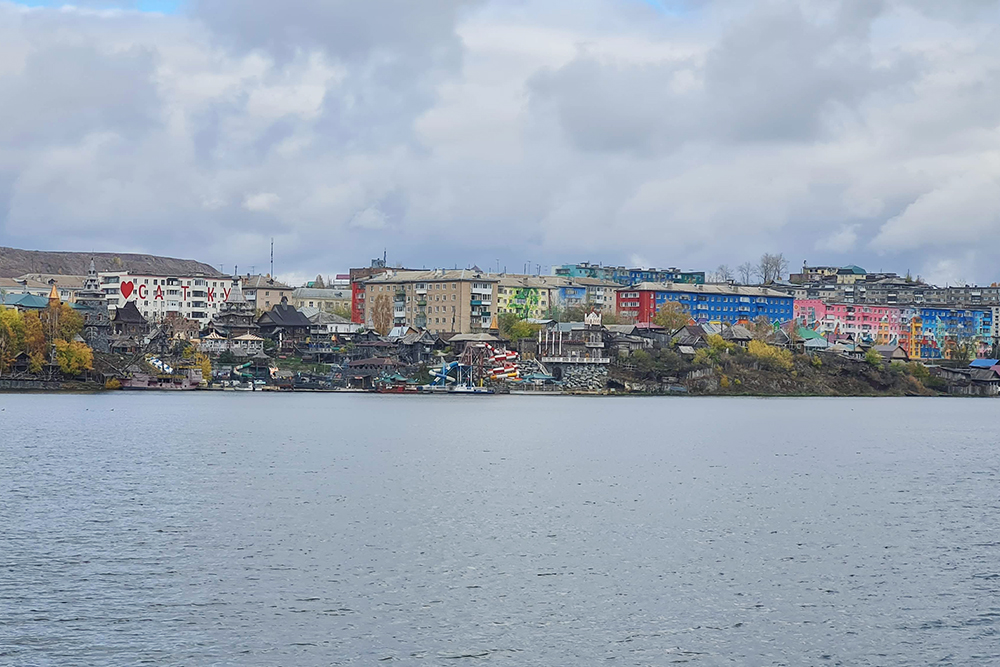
(256, 529)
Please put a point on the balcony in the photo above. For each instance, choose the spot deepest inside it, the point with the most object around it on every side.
(480, 302)
(422, 302)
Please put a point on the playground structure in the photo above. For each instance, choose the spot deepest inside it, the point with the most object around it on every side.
(480, 362)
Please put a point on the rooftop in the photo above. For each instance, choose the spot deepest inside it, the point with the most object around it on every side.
(262, 282)
(65, 282)
(321, 293)
(729, 290)
(393, 276)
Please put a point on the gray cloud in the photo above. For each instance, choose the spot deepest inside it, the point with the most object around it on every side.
(458, 132)
(775, 75)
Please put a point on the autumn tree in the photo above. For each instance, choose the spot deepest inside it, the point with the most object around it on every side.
(770, 356)
(11, 336)
(202, 361)
(60, 322)
(34, 341)
(382, 314)
(73, 358)
(610, 318)
(671, 316)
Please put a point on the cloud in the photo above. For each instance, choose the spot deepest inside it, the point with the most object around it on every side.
(841, 241)
(956, 213)
(262, 201)
(458, 132)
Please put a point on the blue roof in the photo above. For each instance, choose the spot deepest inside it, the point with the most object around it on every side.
(984, 363)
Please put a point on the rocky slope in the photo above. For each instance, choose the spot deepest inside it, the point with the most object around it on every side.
(14, 262)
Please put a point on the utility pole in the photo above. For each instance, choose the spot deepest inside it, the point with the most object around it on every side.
(272, 257)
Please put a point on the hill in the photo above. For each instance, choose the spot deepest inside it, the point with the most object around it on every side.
(14, 262)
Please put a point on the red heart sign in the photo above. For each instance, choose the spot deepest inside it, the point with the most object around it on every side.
(127, 288)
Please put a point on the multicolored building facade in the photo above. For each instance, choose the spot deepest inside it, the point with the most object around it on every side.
(925, 333)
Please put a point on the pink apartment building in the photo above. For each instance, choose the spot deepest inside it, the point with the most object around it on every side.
(883, 324)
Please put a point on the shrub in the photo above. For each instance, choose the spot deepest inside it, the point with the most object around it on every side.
(704, 357)
(918, 370)
(770, 356)
(873, 359)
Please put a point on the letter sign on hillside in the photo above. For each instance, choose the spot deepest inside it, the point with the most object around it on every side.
(211, 294)
(159, 294)
(127, 287)
(142, 291)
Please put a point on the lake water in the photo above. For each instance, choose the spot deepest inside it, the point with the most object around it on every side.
(324, 529)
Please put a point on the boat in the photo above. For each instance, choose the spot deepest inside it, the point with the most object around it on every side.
(148, 382)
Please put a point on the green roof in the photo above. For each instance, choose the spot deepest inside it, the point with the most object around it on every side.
(25, 301)
(808, 334)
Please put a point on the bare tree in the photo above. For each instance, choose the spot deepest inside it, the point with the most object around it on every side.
(746, 272)
(723, 274)
(762, 328)
(771, 268)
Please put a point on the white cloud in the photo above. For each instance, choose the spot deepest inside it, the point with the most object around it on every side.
(841, 241)
(262, 201)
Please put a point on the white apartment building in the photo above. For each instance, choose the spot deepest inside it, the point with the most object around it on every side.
(195, 297)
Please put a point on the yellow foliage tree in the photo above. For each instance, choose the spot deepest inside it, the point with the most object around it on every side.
(34, 341)
(719, 344)
(73, 358)
(60, 322)
(205, 364)
(769, 355)
(11, 336)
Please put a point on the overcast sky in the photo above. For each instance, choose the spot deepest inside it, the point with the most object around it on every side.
(459, 132)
